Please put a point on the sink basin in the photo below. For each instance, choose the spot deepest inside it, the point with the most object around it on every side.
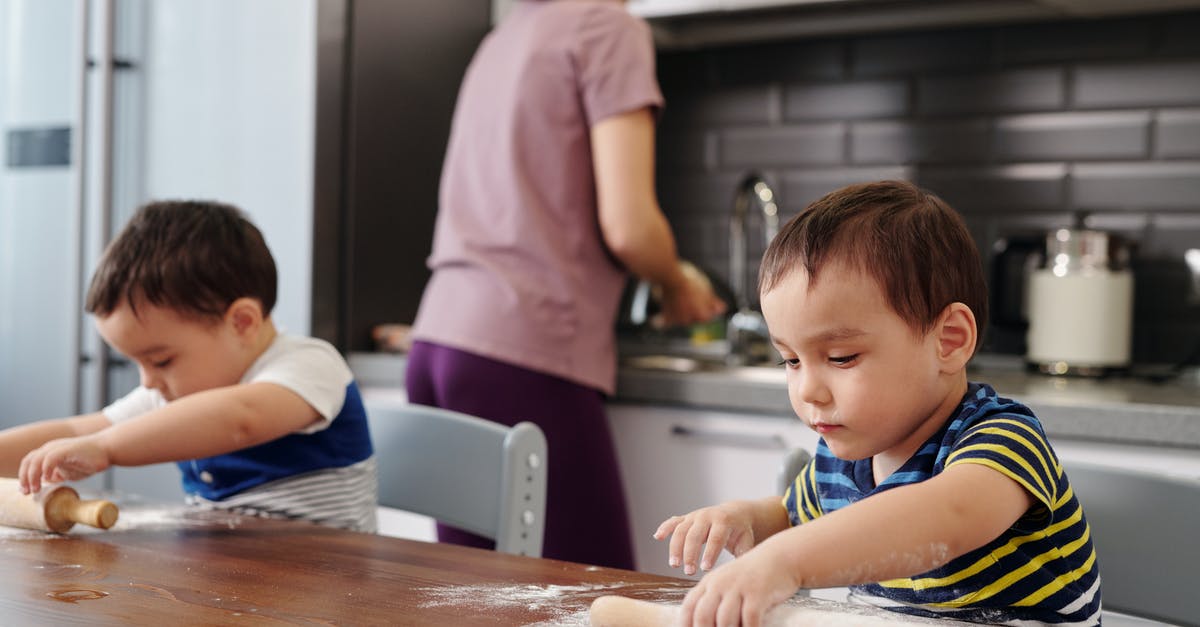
(670, 363)
(764, 373)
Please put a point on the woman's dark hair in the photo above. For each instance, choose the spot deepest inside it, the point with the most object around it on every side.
(910, 241)
(195, 257)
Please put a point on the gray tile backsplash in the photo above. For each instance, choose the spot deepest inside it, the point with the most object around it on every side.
(1038, 89)
(1141, 84)
(921, 141)
(1177, 134)
(1022, 128)
(890, 55)
(783, 146)
(842, 101)
(1147, 185)
(1073, 136)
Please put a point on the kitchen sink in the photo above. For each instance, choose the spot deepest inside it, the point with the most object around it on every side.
(671, 363)
(687, 365)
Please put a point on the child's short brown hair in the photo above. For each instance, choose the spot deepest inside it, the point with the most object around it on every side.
(910, 241)
(195, 257)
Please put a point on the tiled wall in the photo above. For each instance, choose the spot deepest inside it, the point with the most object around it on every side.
(1019, 127)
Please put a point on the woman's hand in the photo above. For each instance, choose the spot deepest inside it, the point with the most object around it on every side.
(65, 459)
(688, 301)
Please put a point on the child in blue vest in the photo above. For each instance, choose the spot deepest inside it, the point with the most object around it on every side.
(258, 421)
(929, 494)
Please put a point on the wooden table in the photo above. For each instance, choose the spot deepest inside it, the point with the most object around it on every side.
(173, 565)
(170, 566)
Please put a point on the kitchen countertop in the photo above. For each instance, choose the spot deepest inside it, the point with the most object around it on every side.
(1117, 410)
(1120, 410)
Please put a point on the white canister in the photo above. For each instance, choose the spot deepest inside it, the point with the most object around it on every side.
(1080, 305)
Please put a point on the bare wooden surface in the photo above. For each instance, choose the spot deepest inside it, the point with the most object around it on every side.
(171, 566)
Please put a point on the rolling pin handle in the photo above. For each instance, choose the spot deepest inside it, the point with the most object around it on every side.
(96, 513)
(64, 508)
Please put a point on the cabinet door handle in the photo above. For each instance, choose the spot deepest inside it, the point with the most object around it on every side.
(773, 441)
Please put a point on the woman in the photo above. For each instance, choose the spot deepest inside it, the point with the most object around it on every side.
(547, 201)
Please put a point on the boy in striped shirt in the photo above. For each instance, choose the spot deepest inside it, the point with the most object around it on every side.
(259, 422)
(928, 494)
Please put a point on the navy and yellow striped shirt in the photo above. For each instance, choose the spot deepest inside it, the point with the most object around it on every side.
(1042, 569)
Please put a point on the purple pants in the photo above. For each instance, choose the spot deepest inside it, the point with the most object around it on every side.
(586, 519)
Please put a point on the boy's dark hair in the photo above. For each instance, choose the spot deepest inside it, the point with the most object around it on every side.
(195, 257)
(910, 241)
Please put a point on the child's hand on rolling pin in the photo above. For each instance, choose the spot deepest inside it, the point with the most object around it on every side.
(65, 459)
(742, 591)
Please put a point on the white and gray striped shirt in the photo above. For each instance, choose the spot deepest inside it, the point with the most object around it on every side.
(337, 497)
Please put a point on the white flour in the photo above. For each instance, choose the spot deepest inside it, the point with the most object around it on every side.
(139, 517)
(567, 605)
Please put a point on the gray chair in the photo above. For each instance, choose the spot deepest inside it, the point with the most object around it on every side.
(475, 474)
(1144, 527)
(793, 462)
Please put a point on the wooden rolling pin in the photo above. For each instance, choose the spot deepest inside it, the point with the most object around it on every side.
(617, 611)
(55, 508)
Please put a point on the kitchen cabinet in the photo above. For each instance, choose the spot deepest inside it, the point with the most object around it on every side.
(676, 459)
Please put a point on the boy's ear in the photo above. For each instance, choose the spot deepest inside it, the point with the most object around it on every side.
(956, 336)
(244, 315)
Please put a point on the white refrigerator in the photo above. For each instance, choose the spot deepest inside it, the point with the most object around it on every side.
(105, 105)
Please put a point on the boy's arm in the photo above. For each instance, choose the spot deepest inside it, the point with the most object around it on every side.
(199, 425)
(907, 530)
(16, 442)
(897, 533)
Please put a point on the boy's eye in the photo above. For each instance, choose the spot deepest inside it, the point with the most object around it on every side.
(789, 363)
(843, 360)
(162, 364)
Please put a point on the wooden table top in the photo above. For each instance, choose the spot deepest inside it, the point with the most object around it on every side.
(173, 565)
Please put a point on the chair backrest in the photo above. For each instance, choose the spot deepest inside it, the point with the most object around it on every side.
(471, 473)
(1144, 527)
(793, 461)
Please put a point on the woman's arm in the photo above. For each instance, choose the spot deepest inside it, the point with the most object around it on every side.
(631, 222)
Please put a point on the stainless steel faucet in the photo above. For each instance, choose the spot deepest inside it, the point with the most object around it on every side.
(747, 325)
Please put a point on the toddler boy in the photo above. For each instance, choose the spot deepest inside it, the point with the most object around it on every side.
(929, 495)
(259, 422)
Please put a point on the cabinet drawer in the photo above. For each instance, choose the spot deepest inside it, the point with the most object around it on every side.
(674, 460)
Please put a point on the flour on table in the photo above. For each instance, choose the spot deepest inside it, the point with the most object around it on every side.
(566, 605)
(139, 518)
(17, 533)
(148, 518)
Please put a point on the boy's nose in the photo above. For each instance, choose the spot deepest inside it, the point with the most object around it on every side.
(811, 390)
(149, 381)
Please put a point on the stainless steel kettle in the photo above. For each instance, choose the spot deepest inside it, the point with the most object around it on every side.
(1080, 304)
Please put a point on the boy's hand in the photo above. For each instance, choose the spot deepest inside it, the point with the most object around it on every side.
(740, 592)
(726, 526)
(65, 459)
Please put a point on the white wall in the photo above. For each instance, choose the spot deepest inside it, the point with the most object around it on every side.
(229, 115)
